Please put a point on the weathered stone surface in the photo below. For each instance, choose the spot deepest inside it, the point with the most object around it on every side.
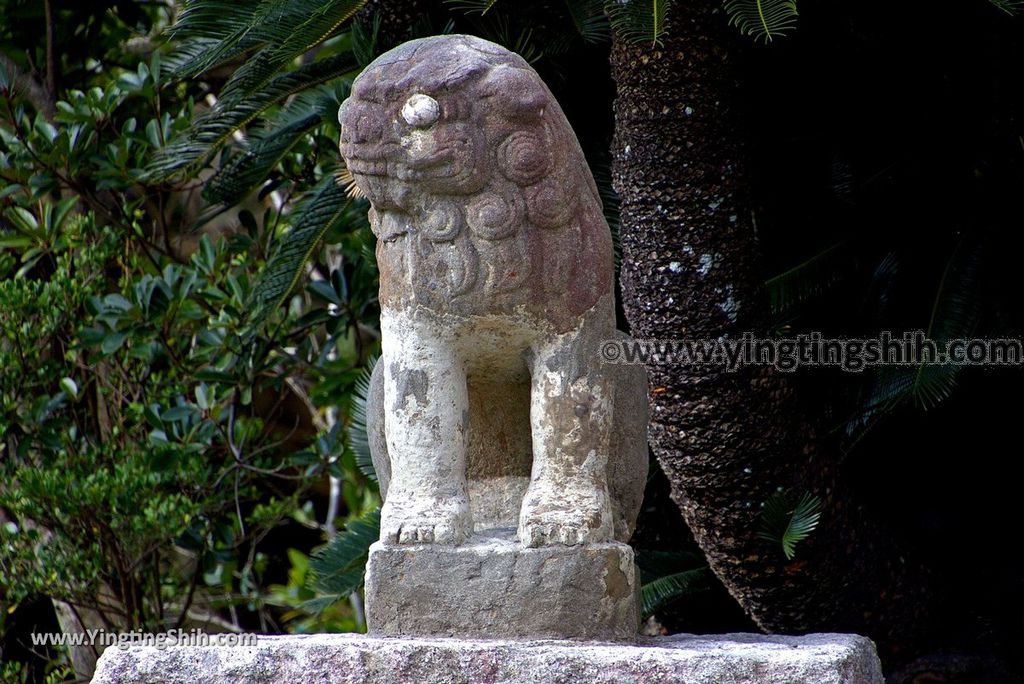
(499, 450)
(482, 199)
(490, 405)
(490, 408)
(492, 587)
(358, 659)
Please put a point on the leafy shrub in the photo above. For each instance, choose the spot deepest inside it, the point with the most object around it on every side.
(164, 373)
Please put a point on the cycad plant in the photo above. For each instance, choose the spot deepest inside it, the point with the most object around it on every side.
(762, 20)
(266, 79)
(954, 310)
(282, 54)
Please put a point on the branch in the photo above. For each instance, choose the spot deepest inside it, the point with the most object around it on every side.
(51, 57)
(34, 91)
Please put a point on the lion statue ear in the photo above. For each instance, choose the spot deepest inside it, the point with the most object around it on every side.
(516, 93)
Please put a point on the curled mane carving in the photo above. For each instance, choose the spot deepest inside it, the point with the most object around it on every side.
(482, 200)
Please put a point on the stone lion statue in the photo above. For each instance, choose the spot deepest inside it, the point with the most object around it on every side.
(490, 407)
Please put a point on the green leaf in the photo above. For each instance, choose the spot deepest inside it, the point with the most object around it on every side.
(152, 415)
(956, 311)
(70, 387)
(324, 290)
(14, 241)
(117, 301)
(177, 414)
(204, 397)
(808, 280)
(358, 436)
(590, 19)
(318, 215)
(187, 154)
(337, 568)
(763, 19)
(23, 220)
(214, 375)
(1011, 7)
(60, 213)
(787, 521)
(480, 7)
(112, 342)
(659, 593)
(251, 168)
(638, 21)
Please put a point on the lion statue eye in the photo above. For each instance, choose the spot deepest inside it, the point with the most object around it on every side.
(421, 111)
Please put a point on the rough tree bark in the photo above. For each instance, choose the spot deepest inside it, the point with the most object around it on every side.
(727, 440)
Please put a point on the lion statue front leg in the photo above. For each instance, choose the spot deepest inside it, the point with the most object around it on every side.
(425, 395)
(571, 411)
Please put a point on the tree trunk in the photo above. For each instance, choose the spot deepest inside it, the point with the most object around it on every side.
(728, 440)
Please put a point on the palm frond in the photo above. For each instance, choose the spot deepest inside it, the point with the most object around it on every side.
(244, 172)
(280, 29)
(1011, 7)
(185, 55)
(934, 384)
(525, 45)
(590, 20)
(957, 306)
(499, 28)
(213, 18)
(610, 206)
(790, 289)
(880, 287)
(213, 32)
(358, 436)
(480, 7)
(638, 21)
(926, 386)
(763, 19)
(190, 152)
(318, 214)
(264, 149)
(787, 521)
(657, 594)
(285, 42)
(956, 311)
(338, 568)
(365, 40)
(955, 314)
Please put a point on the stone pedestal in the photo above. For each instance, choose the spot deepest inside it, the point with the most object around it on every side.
(492, 587)
(359, 659)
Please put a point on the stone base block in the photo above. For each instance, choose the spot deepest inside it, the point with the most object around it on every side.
(359, 659)
(494, 588)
